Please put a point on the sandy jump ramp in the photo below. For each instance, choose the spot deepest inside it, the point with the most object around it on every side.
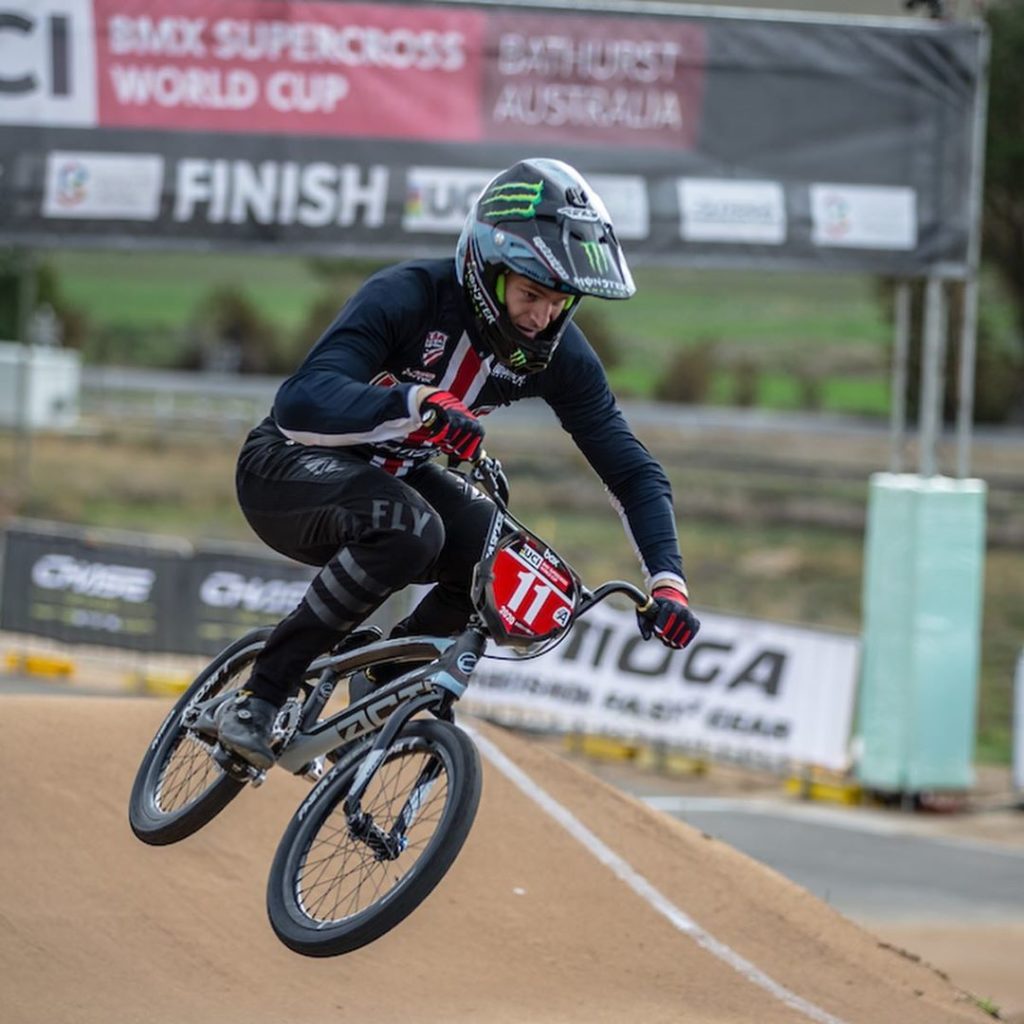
(569, 903)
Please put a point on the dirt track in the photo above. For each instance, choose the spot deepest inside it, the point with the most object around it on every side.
(528, 926)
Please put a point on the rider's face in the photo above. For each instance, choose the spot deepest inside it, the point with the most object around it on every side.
(531, 306)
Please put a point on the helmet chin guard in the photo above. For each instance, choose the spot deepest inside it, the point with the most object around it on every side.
(542, 220)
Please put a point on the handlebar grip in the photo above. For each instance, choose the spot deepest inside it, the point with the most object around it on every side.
(648, 610)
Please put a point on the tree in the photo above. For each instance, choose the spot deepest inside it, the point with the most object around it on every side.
(1003, 225)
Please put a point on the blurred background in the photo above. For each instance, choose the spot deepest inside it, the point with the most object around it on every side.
(766, 393)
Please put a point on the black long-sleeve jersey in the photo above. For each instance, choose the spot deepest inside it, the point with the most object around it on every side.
(410, 326)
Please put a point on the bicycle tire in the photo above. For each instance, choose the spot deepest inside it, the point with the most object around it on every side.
(179, 788)
(306, 845)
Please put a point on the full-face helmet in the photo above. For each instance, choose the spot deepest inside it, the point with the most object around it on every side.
(540, 219)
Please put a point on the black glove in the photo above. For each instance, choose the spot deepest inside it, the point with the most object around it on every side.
(449, 425)
(674, 624)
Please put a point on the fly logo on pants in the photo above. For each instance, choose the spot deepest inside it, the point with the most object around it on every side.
(394, 515)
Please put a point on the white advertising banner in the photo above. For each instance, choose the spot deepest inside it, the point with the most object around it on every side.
(116, 186)
(866, 217)
(437, 199)
(743, 690)
(715, 210)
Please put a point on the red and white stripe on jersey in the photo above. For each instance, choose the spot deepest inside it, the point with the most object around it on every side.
(467, 372)
(464, 377)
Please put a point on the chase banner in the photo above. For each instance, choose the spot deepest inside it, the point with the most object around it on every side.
(80, 586)
(356, 128)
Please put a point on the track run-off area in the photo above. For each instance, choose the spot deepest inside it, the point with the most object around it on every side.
(571, 902)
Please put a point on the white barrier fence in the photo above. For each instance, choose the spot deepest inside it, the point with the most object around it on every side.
(744, 690)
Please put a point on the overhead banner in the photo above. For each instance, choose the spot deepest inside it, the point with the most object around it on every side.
(743, 689)
(356, 128)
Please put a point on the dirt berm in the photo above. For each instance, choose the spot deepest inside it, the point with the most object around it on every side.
(632, 917)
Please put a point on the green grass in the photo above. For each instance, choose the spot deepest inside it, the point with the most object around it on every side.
(146, 290)
(776, 322)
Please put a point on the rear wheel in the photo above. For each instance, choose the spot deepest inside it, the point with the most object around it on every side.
(179, 787)
(337, 882)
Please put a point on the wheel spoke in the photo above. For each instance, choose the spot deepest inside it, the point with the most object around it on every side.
(340, 876)
(189, 771)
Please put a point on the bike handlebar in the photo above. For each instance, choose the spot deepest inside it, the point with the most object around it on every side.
(484, 471)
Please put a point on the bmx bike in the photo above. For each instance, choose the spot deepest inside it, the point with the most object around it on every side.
(396, 782)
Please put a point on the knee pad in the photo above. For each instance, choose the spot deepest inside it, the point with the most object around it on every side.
(411, 535)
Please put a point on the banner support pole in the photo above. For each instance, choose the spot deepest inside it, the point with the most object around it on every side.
(969, 325)
(898, 385)
(933, 363)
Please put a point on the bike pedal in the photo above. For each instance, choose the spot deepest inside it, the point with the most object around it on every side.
(237, 768)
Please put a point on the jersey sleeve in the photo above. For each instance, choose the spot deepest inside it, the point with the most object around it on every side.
(329, 400)
(576, 388)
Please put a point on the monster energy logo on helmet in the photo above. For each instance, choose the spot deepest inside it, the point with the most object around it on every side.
(597, 256)
(512, 199)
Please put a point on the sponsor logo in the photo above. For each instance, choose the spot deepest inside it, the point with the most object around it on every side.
(502, 371)
(601, 284)
(433, 347)
(552, 260)
(512, 199)
(423, 376)
(251, 593)
(597, 256)
(864, 217)
(492, 541)
(310, 801)
(93, 579)
(438, 199)
(713, 210)
(103, 186)
(70, 186)
(466, 662)
(47, 63)
(481, 304)
(581, 213)
(321, 465)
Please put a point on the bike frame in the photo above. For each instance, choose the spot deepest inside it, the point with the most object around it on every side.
(433, 686)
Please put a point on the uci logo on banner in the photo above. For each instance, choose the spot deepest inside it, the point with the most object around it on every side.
(47, 63)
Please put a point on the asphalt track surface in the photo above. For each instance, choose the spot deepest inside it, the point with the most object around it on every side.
(865, 866)
(571, 902)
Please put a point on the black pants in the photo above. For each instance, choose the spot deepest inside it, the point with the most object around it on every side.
(371, 533)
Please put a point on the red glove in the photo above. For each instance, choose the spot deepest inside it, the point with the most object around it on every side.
(449, 425)
(671, 620)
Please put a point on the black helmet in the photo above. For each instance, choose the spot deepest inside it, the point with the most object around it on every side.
(540, 219)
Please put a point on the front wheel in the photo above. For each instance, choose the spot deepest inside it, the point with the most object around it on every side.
(339, 882)
(179, 787)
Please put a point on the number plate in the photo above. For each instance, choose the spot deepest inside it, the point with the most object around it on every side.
(529, 593)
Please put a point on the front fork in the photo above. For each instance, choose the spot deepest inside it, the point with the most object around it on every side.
(450, 676)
